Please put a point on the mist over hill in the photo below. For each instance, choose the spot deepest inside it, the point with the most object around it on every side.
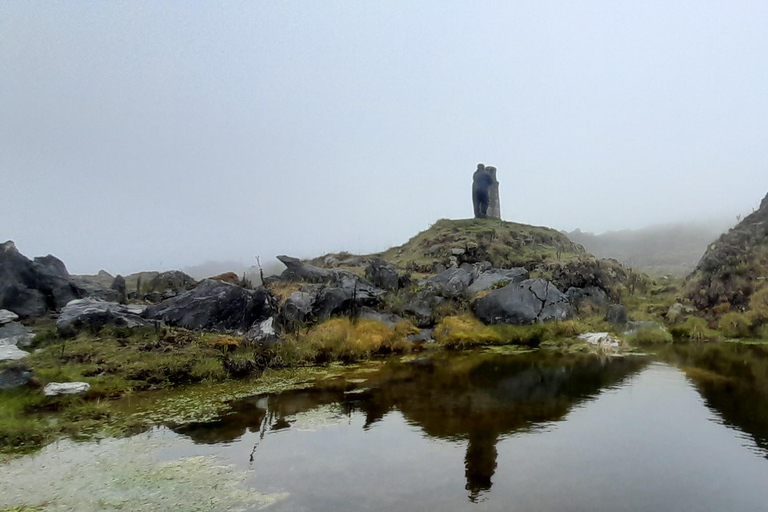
(656, 250)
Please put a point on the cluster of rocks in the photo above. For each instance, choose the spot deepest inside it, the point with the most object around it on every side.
(12, 336)
(32, 288)
(496, 295)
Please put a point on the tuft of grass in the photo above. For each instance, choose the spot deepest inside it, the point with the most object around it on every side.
(736, 325)
(694, 329)
(467, 331)
(464, 331)
(342, 339)
(649, 336)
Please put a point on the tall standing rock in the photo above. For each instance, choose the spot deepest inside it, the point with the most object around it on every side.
(494, 206)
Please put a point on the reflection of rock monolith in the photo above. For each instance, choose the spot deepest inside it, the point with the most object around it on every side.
(494, 206)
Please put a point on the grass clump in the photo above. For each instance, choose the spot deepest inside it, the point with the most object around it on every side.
(649, 335)
(467, 331)
(343, 339)
(694, 329)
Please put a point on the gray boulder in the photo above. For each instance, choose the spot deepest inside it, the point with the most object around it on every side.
(11, 353)
(13, 333)
(349, 294)
(421, 308)
(382, 274)
(15, 376)
(388, 319)
(590, 295)
(491, 278)
(264, 333)
(215, 306)
(532, 300)
(451, 282)
(95, 313)
(297, 309)
(7, 316)
(31, 288)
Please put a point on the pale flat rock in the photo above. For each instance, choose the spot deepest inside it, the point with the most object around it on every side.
(13, 333)
(7, 316)
(11, 353)
(601, 339)
(66, 388)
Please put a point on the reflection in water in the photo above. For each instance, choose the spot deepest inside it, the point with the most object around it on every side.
(477, 398)
(733, 380)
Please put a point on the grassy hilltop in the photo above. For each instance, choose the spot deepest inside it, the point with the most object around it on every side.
(503, 244)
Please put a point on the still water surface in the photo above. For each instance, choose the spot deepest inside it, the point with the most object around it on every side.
(681, 430)
(685, 429)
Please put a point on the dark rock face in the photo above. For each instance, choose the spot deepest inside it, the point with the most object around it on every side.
(490, 278)
(95, 313)
(533, 300)
(15, 376)
(31, 288)
(297, 309)
(589, 297)
(382, 274)
(421, 308)
(214, 306)
(452, 282)
(349, 294)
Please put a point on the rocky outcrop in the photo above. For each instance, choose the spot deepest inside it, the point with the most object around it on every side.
(349, 294)
(98, 286)
(533, 300)
(93, 313)
(214, 306)
(452, 282)
(297, 270)
(586, 272)
(494, 278)
(297, 309)
(734, 266)
(421, 308)
(32, 288)
(382, 274)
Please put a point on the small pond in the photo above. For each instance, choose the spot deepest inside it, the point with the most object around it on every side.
(683, 429)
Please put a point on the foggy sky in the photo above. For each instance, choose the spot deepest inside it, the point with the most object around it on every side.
(151, 135)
